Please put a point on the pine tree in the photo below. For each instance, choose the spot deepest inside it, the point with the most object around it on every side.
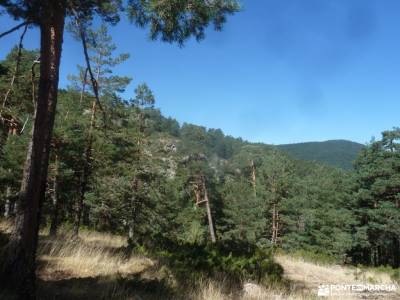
(377, 202)
(174, 21)
(100, 49)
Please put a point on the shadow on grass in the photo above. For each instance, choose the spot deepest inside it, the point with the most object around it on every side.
(105, 287)
(61, 286)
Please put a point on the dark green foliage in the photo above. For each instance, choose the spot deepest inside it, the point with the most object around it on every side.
(19, 102)
(318, 217)
(377, 199)
(336, 153)
(236, 260)
(15, 112)
(243, 213)
(183, 19)
(143, 167)
(175, 21)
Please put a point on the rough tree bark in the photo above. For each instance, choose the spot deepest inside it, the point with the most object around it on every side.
(18, 268)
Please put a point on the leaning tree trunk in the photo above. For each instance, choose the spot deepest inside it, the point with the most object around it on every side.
(19, 260)
(209, 215)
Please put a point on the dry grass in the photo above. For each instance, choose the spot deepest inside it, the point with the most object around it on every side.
(213, 291)
(313, 274)
(209, 291)
(5, 226)
(96, 265)
(307, 276)
(93, 254)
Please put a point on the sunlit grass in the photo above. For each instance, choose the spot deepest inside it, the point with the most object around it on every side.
(91, 254)
(98, 265)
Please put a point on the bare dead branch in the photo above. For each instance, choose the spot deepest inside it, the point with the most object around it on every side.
(23, 127)
(15, 28)
(95, 86)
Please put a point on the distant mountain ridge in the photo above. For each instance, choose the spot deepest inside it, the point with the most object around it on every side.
(337, 153)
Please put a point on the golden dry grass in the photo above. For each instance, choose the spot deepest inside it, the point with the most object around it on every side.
(96, 266)
(313, 274)
(309, 275)
(5, 226)
(213, 291)
(93, 254)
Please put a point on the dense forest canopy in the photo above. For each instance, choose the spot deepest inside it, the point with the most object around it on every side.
(336, 153)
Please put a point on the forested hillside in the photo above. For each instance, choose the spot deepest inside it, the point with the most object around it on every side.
(336, 153)
(125, 168)
(203, 204)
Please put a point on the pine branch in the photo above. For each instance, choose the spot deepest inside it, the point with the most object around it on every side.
(15, 28)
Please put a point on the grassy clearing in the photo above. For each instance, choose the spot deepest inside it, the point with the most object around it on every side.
(97, 266)
(93, 254)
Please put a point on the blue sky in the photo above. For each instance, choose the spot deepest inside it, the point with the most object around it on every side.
(281, 71)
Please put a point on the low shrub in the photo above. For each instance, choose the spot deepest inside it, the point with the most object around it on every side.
(236, 261)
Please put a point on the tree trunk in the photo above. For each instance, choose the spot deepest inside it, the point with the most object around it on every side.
(209, 216)
(56, 203)
(10, 203)
(18, 269)
(253, 177)
(3, 136)
(275, 224)
(7, 206)
(86, 173)
(396, 253)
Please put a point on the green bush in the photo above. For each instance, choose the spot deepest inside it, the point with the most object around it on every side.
(235, 261)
